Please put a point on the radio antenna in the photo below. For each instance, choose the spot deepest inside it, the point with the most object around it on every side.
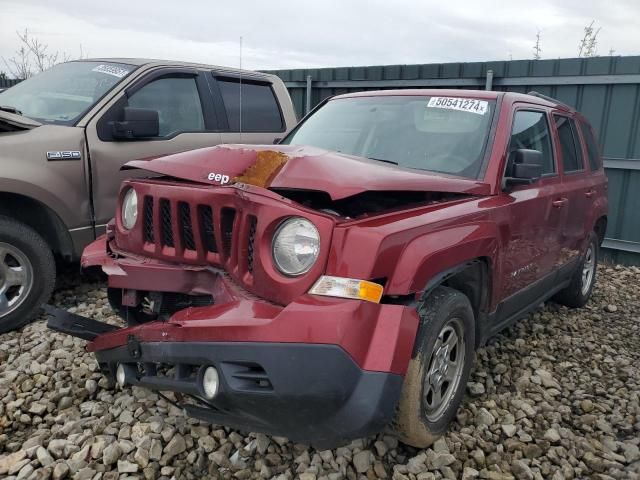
(240, 102)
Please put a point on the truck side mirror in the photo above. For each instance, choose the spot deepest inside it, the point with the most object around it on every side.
(526, 167)
(138, 123)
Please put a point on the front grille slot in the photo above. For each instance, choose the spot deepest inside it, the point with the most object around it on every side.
(251, 240)
(186, 227)
(147, 214)
(205, 214)
(247, 376)
(227, 219)
(165, 223)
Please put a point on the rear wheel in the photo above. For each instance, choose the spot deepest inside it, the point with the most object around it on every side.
(438, 372)
(27, 273)
(579, 291)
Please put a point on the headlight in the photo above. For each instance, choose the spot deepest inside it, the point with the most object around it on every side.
(130, 209)
(296, 246)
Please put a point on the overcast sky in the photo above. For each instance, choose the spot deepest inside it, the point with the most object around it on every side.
(296, 34)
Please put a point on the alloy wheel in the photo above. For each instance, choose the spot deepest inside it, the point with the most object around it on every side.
(16, 278)
(588, 270)
(446, 364)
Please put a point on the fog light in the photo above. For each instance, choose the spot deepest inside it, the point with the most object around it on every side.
(210, 382)
(120, 375)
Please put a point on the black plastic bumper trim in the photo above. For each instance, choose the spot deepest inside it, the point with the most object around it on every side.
(314, 394)
(75, 325)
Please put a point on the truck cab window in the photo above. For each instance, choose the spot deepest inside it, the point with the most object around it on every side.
(260, 110)
(531, 131)
(177, 102)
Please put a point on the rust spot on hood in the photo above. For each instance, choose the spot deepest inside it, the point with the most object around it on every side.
(267, 165)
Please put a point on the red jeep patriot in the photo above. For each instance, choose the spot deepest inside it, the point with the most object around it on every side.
(339, 282)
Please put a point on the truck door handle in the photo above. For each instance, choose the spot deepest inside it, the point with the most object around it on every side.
(590, 193)
(561, 202)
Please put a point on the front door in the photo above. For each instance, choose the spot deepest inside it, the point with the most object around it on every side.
(531, 219)
(187, 121)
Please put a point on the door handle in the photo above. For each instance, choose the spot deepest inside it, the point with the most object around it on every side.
(561, 202)
(590, 193)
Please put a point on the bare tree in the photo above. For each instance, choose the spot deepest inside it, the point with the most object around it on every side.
(588, 46)
(32, 57)
(612, 52)
(537, 47)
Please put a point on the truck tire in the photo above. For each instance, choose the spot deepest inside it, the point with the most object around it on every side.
(579, 291)
(439, 369)
(27, 274)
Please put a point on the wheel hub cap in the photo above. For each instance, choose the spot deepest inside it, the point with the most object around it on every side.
(446, 364)
(16, 278)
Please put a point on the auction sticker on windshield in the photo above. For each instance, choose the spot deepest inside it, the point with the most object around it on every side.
(463, 104)
(111, 70)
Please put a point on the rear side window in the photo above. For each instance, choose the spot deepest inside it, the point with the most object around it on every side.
(531, 131)
(569, 146)
(593, 151)
(260, 110)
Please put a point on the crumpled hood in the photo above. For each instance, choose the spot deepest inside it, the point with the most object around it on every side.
(17, 122)
(302, 168)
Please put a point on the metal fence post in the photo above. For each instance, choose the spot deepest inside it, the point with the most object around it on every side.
(489, 82)
(307, 107)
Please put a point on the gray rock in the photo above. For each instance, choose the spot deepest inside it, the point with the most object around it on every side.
(362, 461)
(44, 457)
(125, 466)
(521, 470)
(111, 454)
(176, 446)
(484, 417)
(60, 471)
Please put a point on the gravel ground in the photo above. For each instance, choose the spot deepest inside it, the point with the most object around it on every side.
(555, 396)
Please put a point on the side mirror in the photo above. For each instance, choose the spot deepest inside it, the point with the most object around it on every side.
(138, 123)
(526, 167)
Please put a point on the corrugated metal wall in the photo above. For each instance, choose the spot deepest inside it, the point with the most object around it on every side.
(605, 89)
(8, 82)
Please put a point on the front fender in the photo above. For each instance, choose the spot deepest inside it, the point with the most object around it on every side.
(428, 255)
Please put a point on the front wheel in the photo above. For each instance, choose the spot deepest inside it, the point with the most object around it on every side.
(438, 372)
(27, 273)
(579, 291)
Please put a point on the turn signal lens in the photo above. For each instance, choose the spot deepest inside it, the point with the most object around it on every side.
(210, 382)
(347, 288)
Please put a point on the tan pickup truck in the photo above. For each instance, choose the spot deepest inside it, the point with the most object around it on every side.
(65, 133)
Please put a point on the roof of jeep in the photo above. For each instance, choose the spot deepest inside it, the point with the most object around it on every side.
(481, 94)
(152, 62)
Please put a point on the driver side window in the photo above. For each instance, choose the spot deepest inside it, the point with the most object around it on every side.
(531, 131)
(177, 102)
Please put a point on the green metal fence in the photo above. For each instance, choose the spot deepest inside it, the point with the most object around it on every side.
(8, 82)
(605, 89)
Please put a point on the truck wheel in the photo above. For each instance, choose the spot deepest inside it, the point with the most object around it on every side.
(27, 273)
(578, 292)
(439, 369)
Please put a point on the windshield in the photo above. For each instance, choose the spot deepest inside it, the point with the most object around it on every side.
(439, 134)
(64, 92)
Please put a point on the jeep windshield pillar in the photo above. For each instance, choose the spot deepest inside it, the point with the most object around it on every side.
(332, 286)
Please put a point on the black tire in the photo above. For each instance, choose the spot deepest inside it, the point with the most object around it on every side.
(413, 424)
(575, 296)
(26, 246)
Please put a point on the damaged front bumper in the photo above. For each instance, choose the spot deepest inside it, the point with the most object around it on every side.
(319, 370)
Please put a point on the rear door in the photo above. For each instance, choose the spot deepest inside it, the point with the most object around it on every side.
(187, 121)
(248, 109)
(578, 187)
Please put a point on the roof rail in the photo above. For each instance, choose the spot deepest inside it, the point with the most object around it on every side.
(533, 93)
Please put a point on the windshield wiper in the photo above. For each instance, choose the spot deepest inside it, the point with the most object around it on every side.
(383, 160)
(7, 108)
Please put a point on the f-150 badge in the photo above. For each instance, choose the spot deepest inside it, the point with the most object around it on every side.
(64, 155)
